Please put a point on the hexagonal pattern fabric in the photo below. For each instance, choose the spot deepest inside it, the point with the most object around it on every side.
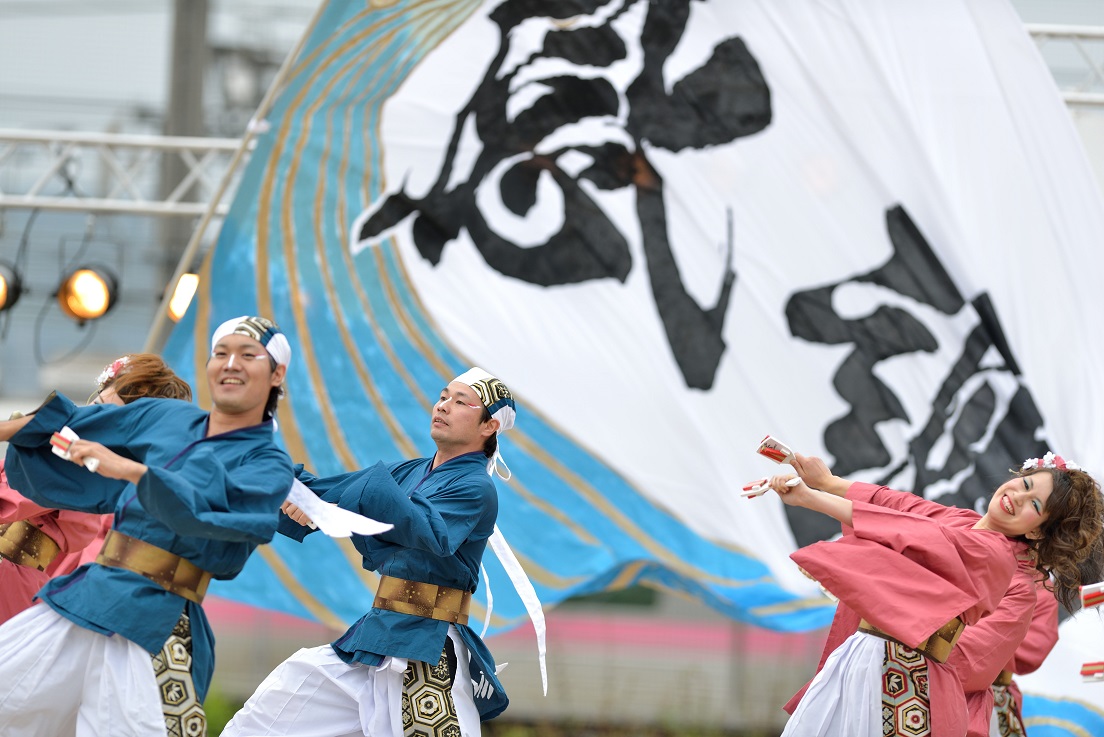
(905, 710)
(184, 715)
(1009, 721)
(427, 707)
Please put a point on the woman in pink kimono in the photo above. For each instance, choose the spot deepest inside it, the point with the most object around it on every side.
(1014, 639)
(985, 647)
(1004, 718)
(1018, 634)
(33, 541)
(911, 574)
(37, 543)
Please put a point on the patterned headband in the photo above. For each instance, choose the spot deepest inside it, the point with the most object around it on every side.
(260, 329)
(493, 394)
(499, 403)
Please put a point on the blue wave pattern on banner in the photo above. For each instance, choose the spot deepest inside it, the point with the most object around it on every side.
(1044, 717)
(368, 361)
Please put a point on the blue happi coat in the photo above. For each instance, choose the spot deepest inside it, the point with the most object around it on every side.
(443, 517)
(210, 500)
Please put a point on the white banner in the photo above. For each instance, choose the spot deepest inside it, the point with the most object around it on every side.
(672, 228)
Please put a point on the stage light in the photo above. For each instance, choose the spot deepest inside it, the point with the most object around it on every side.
(87, 293)
(182, 296)
(11, 286)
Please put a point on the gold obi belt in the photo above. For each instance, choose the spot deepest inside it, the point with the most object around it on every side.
(937, 647)
(423, 600)
(168, 570)
(1004, 678)
(24, 544)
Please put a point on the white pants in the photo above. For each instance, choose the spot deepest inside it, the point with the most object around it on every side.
(845, 698)
(61, 679)
(316, 694)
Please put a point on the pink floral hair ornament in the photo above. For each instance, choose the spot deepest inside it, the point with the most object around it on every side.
(110, 372)
(1050, 460)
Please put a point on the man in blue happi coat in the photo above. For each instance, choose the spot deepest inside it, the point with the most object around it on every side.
(192, 492)
(411, 665)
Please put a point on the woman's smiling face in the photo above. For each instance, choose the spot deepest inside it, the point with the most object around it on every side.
(1019, 506)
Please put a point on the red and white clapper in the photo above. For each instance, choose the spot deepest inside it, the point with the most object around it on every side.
(1093, 672)
(62, 440)
(773, 448)
(1092, 596)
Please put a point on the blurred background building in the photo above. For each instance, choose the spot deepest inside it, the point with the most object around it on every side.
(118, 122)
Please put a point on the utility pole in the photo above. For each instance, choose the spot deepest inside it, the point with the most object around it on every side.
(184, 117)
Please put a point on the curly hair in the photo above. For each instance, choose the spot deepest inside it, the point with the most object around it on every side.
(1070, 548)
(147, 375)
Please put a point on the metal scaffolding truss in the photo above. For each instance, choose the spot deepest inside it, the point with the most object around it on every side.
(1075, 55)
(117, 173)
(113, 173)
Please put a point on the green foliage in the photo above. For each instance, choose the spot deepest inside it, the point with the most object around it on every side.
(637, 596)
(220, 710)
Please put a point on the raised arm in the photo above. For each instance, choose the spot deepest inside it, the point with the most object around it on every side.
(891, 555)
(816, 475)
(838, 508)
(8, 428)
(438, 526)
(295, 523)
(206, 497)
(53, 482)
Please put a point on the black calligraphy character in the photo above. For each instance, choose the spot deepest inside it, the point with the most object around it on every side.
(982, 417)
(588, 130)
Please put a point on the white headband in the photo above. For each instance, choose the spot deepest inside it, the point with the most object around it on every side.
(259, 329)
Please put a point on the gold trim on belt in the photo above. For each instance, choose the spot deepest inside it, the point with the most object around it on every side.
(26, 545)
(423, 600)
(1004, 678)
(937, 647)
(174, 574)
